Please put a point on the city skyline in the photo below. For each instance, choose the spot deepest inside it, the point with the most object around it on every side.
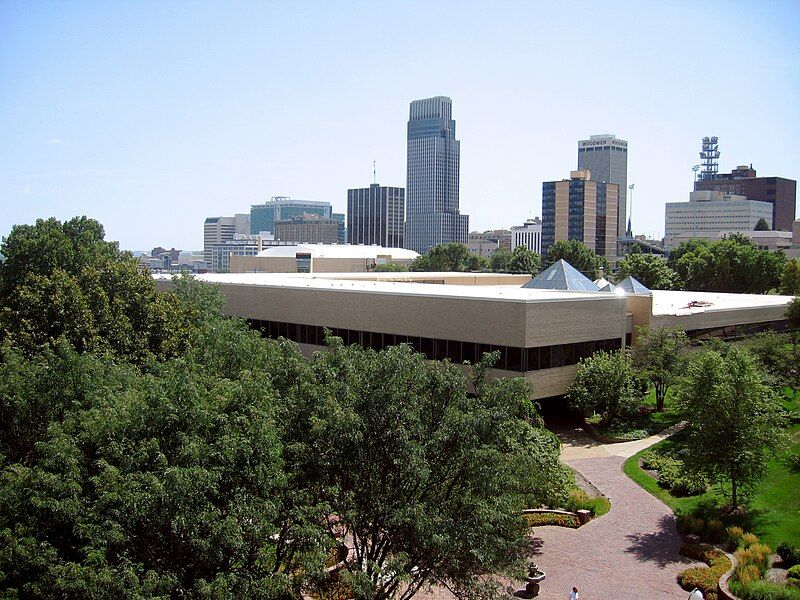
(151, 118)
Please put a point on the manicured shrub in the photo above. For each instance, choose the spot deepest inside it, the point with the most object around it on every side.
(705, 579)
(765, 590)
(793, 572)
(696, 526)
(789, 553)
(579, 500)
(748, 539)
(759, 555)
(734, 535)
(682, 523)
(541, 519)
(747, 574)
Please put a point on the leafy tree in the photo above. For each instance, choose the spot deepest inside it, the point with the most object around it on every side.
(790, 279)
(762, 225)
(777, 356)
(449, 257)
(684, 248)
(164, 485)
(501, 261)
(733, 264)
(658, 355)
(427, 481)
(793, 314)
(578, 255)
(734, 419)
(390, 268)
(604, 386)
(524, 261)
(64, 280)
(651, 270)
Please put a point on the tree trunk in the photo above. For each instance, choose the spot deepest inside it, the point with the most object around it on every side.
(661, 393)
(734, 502)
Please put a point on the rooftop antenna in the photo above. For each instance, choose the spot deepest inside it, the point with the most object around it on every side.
(708, 158)
(629, 232)
(374, 173)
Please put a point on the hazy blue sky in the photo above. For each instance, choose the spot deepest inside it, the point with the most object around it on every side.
(150, 116)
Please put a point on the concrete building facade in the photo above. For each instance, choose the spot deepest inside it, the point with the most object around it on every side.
(321, 258)
(580, 208)
(528, 235)
(308, 229)
(376, 215)
(780, 192)
(432, 184)
(605, 156)
(711, 211)
(217, 230)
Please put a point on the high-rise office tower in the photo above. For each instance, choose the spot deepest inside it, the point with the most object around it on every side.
(606, 158)
(581, 209)
(432, 215)
(375, 215)
(283, 208)
(217, 230)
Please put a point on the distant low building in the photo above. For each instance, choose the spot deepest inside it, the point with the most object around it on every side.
(482, 245)
(713, 211)
(321, 258)
(765, 240)
(528, 235)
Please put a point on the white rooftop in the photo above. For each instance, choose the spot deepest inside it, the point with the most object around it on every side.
(339, 251)
(689, 303)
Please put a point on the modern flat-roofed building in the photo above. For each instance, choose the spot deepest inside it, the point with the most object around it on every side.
(712, 211)
(605, 156)
(282, 208)
(780, 192)
(376, 215)
(432, 200)
(540, 334)
(308, 229)
(580, 208)
(528, 235)
(321, 258)
(217, 230)
(765, 240)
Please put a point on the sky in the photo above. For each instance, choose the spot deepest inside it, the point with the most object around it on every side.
(150, 116)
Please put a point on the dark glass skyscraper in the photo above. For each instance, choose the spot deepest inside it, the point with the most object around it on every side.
(432, 215)
(375, 216)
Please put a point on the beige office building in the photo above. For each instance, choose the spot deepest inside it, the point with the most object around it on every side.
(540, 334)
(321, 258)
(309, 229)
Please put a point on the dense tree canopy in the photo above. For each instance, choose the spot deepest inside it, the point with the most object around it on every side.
(520, 260)
(578, 255)
(450, 257)
(651, 270)
(428, 481)
(734, 418)
(790, 278)
(733, 264)
(229, 465)
(390, 268)
(64, 280)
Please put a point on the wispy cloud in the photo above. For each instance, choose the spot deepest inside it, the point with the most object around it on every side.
(54, 140)
(25, 190)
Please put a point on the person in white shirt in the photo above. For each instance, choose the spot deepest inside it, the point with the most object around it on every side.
(573, 595)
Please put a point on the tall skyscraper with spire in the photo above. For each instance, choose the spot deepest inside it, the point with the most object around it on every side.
(432, 213)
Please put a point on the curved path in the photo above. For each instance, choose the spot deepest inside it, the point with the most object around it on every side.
(631, 553)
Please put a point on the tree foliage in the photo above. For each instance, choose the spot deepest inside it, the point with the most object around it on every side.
(733, 264)
(658, 354)
(762, 225)
(427, 481)
(604, 387)
(451, 257)
(578, 255)
(390, 268)
(524, 261)
(651, 270)
(734, 419)
(64, 280)
(790, 278)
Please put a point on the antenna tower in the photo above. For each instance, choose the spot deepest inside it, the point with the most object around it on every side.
(708, 158)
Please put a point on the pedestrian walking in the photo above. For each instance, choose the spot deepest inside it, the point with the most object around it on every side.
(573, 595)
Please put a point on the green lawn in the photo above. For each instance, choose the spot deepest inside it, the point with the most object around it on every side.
(648, 423)
(774, 508)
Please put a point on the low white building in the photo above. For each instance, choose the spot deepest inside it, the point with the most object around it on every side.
(713, 211)
(528, 235)
(321, 258)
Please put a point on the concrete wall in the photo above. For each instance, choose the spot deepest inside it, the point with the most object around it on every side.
(288, 264)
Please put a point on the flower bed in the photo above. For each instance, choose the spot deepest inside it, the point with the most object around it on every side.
(706, 579)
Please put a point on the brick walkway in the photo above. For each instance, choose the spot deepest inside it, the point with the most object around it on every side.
(631, 553)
